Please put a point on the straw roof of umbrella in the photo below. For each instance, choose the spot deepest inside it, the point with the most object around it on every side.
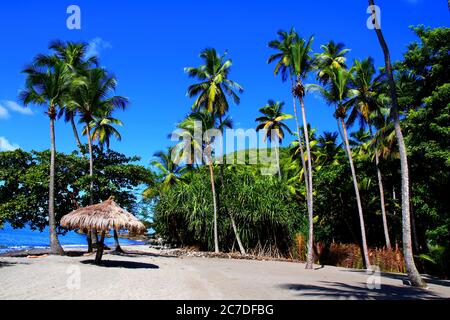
(103, 217)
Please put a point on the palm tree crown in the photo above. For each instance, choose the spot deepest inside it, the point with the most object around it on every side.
(272, 120)
(214, 85)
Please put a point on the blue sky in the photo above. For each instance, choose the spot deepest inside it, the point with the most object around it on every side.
(147, 44)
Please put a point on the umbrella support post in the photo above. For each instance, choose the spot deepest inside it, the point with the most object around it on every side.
(100, 247)
(117, 244)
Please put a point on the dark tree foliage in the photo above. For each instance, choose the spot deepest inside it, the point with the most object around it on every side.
(24, 184)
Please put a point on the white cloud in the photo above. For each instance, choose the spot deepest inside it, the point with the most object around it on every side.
(14, 106)
(97, 45)
(5, 145)
(4, 114)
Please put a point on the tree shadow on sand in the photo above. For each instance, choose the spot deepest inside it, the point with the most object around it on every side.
(336, 290)
(135, 254)
(404, 278)
(122, 264)
(9, 264)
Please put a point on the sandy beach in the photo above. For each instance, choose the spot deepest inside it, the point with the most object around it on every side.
(146, 274)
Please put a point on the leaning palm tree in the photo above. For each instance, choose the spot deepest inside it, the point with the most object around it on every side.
(411, 268)
(302, 64)
(91, 98)
(49, 85)
(272, 122)
(368, 103)
(284, 66)
(339, 93)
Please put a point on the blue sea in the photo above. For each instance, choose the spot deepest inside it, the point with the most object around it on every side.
(25, 239)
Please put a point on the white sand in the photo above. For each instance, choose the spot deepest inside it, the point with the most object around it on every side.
(150, 276)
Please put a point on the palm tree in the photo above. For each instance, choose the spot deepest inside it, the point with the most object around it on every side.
(169, 172)
(49, 85)
(103, 129)
(207, 122)
(331, 57)
(329, 148)
(73, 55)
(212, 91)
(368, 103)
(272, 122)
(284, 66)
(411, 268)
(214, 85)
(339, 93)
(302, 64)
(91, 98)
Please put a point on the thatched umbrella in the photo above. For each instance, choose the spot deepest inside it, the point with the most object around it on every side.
(102, 217)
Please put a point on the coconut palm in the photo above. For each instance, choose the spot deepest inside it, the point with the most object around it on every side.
(103, 129)
(90, 99)
(329, 148)
(272, 122)
(49, 85)
(288, 68)
(368, 104)
(214, 85)
(411, 268)
(73, 55)
(339, 93)
(302, 64)
(207, 121)
(331, 57)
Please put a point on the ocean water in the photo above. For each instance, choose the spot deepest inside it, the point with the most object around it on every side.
(21, 239)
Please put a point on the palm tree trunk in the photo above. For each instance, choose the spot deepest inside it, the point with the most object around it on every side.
(93, 233)
(358, 198)
(75, 133)
(213, 189)
(55, 246)
(277, 155)
(310, 256)
(91, 166)
(383, 205)
(411, 268)
(305, 170)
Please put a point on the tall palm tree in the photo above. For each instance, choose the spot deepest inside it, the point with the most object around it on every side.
(214, 85)
(212, 90)
(207, 121)
(411, 268)
(91, 98)
(272, 122)
(368, 102)
(302, 64)
(284, 66)
(339, 93)
(49, 85)
(331, 57)
(73, 55)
